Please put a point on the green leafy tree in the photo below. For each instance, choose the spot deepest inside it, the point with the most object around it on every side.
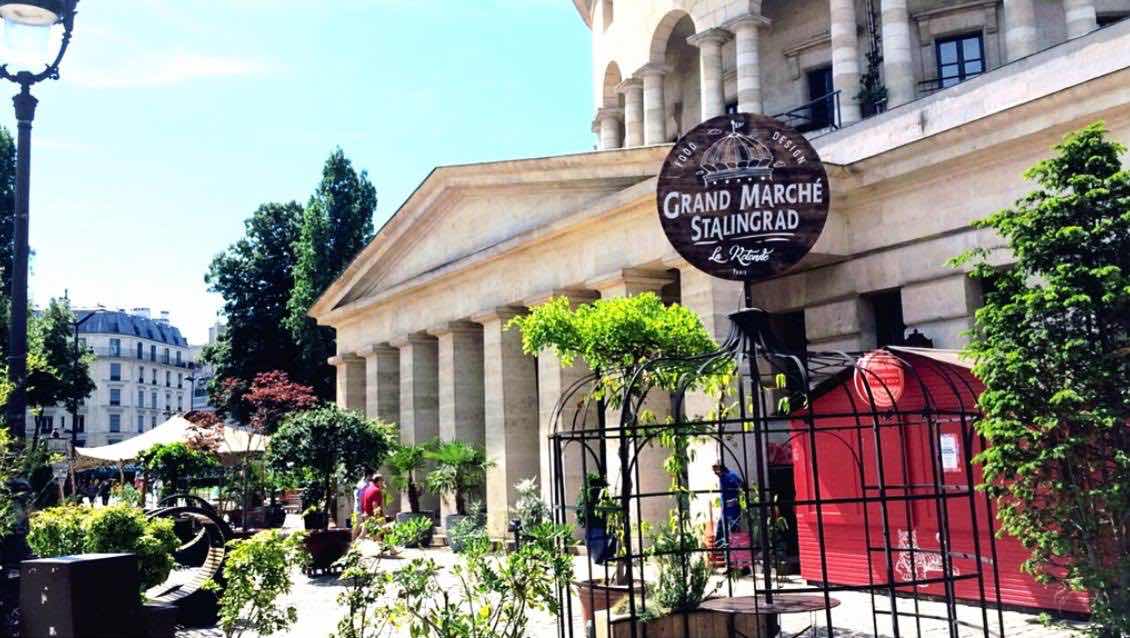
(7, 210)
(171, 462)
(336, 225)
(324, 446)
(255, 276)
(257, 572)
(404, 462)
(54, 339)
(1052, 345)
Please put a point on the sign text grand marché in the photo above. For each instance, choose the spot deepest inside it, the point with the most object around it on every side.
(761, 208)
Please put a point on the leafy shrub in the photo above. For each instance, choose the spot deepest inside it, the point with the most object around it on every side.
(62, 531)
(410, 533)
(127, 495)
(683, 572)
(530, 509)
(470, 530)
(459, 468)
(257, 571)
(171, 462)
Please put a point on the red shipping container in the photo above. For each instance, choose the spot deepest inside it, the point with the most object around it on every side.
(849, 466)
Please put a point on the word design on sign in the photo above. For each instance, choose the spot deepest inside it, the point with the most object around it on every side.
(743, 197)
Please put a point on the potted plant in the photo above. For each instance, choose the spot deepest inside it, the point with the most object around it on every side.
(321, 447)
(459, 469)
(404, 462)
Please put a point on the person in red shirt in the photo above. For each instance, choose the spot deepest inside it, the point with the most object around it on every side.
(372, 502)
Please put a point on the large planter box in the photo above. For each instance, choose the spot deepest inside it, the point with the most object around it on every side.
(325, 547)
(695, 624)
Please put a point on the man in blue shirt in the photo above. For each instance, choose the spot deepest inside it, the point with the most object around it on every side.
(730, 484)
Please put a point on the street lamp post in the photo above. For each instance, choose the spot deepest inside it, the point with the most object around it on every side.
(78, 359)
(28, 17)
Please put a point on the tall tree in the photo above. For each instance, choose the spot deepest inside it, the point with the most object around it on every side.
(1052, 345)
(255, 277)
(336, 225)
(52, 335)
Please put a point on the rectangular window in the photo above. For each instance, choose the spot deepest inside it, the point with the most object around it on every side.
(165, 356)
(168, 379)
(80, 423)
(178, 357)
(152, 353)
(140, 423)
(154, 376)
(115, 372)
(140, 350)
(180, 403)
(821, 109)
(180, 380)
(141, 398)
(153, 399)
(115, 396)
(886, 309)
(152, 421)
(959, 58)
(115, 423)
(115, 347)
(141, 374)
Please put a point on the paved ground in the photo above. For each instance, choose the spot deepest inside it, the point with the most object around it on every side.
(318, 614)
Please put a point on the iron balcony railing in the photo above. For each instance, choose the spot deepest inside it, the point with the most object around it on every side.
(821, 113)
(125, 353)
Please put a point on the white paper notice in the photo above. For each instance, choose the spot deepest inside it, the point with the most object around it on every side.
(950, 456)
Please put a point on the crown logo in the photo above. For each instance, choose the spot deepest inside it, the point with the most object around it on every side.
(735, 157)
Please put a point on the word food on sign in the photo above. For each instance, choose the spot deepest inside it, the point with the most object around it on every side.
(743, 197)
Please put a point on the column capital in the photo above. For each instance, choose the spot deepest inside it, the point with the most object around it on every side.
(654, 68)
(631, 84)
(415, 338)
(634, 277)
(715, 36)
(375, 349)
(606, 113)
(454, 327)
(503, 313)
(575, 296)
(747, 21)
(345, 358)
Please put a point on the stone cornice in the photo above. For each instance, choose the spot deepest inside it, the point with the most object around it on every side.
(344, 358)
(749, 20)
(415, 339)
(631, 84)
(653, 68)
(376, 350)
(575, 297)
(655, 279)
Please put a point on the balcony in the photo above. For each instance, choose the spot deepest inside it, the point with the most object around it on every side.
(819, 114)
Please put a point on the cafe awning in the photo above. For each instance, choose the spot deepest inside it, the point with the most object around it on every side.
(236, 443)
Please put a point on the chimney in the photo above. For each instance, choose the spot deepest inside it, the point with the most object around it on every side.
(164, 317)
(141, 312)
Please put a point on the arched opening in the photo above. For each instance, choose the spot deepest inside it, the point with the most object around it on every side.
(681, 85)
(612, 78)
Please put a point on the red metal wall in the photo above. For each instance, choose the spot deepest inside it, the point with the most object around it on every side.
(845, 532)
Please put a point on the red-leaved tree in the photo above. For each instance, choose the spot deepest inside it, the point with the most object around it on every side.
(272, 396)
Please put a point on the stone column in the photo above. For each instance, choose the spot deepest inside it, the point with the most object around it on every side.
(382, 391)
(350, 381)
(941, 309)
(747, 32)
(845, 58)
(607, 127)
(898, 70)
(1081, 18)
(654, 108)
(1019, 28)
(554, 378)
(511, 413)
(652, 478)
(460, 388)
(709, 45)
(419, 397)
(382, 382)
(633, 111)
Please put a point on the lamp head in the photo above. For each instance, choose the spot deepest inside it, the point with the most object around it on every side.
(32, 13)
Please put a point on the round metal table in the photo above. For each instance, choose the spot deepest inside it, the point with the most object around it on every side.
(760, 606)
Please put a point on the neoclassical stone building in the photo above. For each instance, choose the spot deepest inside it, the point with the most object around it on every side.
(976, 91)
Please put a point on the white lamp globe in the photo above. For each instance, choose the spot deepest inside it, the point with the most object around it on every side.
(27, 32)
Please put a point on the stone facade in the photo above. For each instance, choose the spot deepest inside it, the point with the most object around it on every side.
(476, 244)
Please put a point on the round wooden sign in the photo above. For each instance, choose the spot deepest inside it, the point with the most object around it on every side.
(743, 197)
(881, 373)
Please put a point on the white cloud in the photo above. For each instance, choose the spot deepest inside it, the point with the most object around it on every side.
(165, 69)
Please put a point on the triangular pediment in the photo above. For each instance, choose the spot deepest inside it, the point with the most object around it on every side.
(459, 212)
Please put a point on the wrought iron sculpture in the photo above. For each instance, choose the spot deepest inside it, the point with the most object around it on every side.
(200, 558)
(841, 419)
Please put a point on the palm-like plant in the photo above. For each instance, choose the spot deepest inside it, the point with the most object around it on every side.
(459, 468)
(404, 462)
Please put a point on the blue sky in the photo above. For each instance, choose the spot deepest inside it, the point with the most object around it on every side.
(174, 119)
